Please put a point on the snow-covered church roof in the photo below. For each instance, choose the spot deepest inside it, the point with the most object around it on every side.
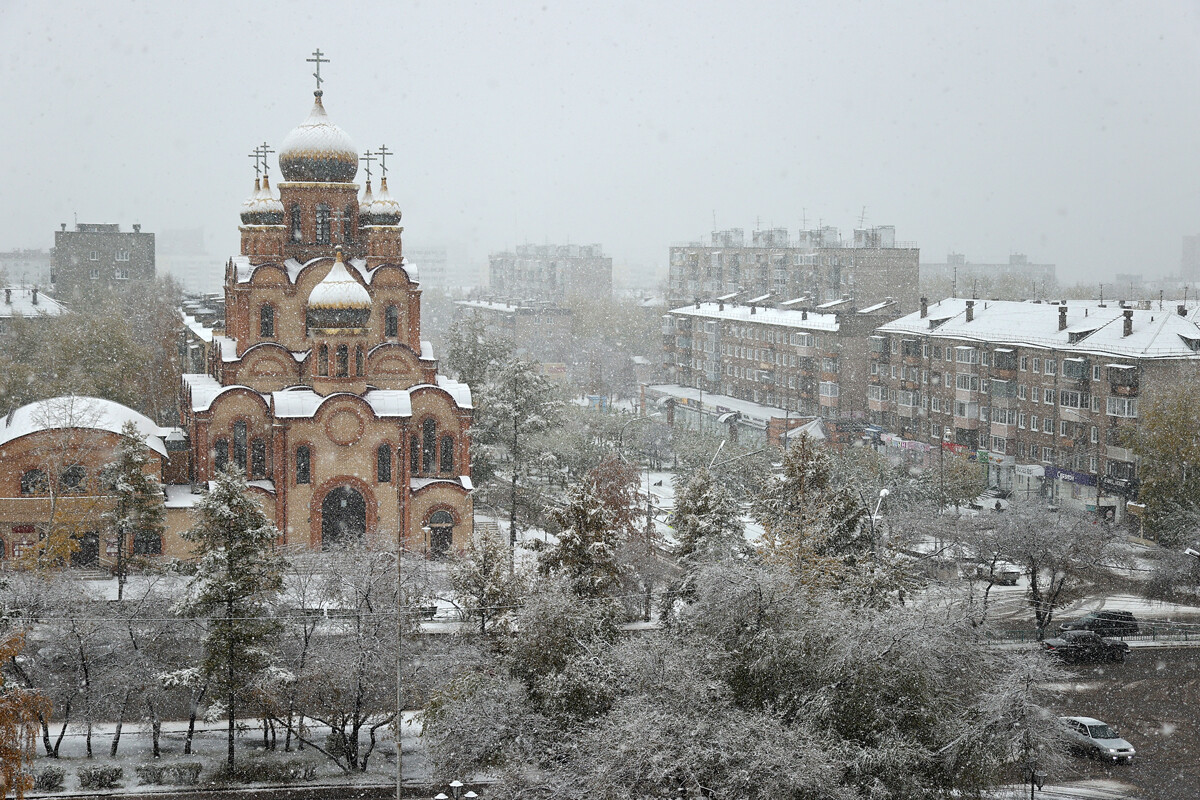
(71, 411)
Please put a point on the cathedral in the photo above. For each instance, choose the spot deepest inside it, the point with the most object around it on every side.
(319, 387)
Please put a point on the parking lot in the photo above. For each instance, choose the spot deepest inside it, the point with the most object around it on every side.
(1153, 699)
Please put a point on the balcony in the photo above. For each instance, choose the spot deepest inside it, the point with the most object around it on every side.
(966, 423)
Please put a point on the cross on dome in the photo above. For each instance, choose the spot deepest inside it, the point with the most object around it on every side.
(367, 158)
(383, 154)
(265, 151)
(256, 155)
(316, 59)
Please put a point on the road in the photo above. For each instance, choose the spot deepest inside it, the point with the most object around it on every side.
(1153, 699)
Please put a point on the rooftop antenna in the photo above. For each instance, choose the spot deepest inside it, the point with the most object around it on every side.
(954, 283)
(714, 219)
(975, 288)
(804, 219)
(316, 59)
(1102, 294)
(862, 218)
(367, 158)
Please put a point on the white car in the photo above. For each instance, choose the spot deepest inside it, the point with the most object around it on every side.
(1092, 738)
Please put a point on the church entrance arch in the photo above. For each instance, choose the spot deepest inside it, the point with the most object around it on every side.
(441, 533)
(343, 517)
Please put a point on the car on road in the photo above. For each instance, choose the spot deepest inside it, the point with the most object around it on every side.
(1079, 647)
(1105, 623)
(1091, 738)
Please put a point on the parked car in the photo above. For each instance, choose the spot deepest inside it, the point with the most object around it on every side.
(1105, 623)
(1001, 573)
(1080, 647)
(1091, 738)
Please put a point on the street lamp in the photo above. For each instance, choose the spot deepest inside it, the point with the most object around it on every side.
(456, 787)
(1035, 776)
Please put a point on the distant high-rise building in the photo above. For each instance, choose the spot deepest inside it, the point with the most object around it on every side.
(1189, 264)
(552, 272)
(816, 265)
(1017, 277)
(96, 255)
(25, 267)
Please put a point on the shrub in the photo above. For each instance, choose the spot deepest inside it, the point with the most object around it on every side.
(151, 774)
(187, 774)
(99, 777)
(49, 779)
(267, 770)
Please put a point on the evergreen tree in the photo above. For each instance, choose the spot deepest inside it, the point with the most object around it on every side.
(139, 499)
(586, 551)
(473, 353)
(481, 577)
(707, 521)
(237, 573)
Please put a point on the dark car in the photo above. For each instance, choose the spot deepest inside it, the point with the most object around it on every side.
(1082, 647)
(1105, 623)
(1092, 738)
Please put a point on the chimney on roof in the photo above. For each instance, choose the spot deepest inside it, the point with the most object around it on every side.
(1182, 309)
(8, 297)
(720, 305)
(137, 227)
(924, 307)
(35, 295)
(1062, 318)
(697, 302)
(804, 313)
(753, 309)
(1128, 327)
(970, 310)
(62, 226)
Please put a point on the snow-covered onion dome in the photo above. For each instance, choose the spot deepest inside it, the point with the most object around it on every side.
(383, 210)
(318, 150)
(261, 207)
(338, 301)
(364, 207)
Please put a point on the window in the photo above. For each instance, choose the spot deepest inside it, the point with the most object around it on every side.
(1072, 399)
(1096, 372)
(1020, 449)
(1048, 425)
(296, 234)
(414, 455)
(999, 445)
(383, 463)
(874, 392)
(33, 481)
(303, 465)
(94, 255)
(1033, 422)
(73, 479)
(266, 320)
(428, 444)
(948, 378)
(1122, 407)
(1037, 365)
(323, 360)
(1048, 396)
(121, 274)
(1021, 420)
(343, 361)
(220, 454)
(966, 355)
(323, 224)
(147, 543)
(1051, 366)
(1024, 363)
(94, 273)
(391, 322)
(828, 389)
(359, 366)
(1048, 454)
(1095, 435)
(447, 454)
(1096, 402)
(122, 255)
(1022, 393)
(1004, 416)
(967, 382)
(239, 444)
(258, 459)
(907, 399)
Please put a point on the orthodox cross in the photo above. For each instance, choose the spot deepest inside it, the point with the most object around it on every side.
(383, 154)
(368, 157)
(263, 150)
(316, 59)
(256, 155)
(339, 217)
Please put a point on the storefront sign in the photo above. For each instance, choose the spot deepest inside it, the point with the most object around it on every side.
(1081, 478)
(1031, 470)
(1121, 486)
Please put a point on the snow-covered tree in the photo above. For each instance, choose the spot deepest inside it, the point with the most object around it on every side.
(137, 513)
(237, 572)
(473, 353)
(22, 711)
(1167, 444)
(487, 589)
(586, 553)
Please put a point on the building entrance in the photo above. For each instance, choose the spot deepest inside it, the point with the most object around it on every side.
(343, 517)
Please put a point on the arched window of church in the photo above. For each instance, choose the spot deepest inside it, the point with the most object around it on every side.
(447, 454)
(239, 444)
(220, 454)
(258, 459)
(391, 322)
(441, 533)
(73, 479)
(428, 444)
(343, 361)
(296, 233)
(303, 464)
(266, 320)
(348, 222)
(383, 463)
(414, 455)
(147, 543)
(33, 481)
(358, 361)
(323, 360)
(323, 224)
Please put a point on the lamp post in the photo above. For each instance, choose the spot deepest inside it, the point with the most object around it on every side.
(1035, 776)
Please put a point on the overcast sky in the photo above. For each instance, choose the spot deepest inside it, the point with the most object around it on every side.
(1067, 131)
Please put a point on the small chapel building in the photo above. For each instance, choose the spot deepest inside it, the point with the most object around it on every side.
(319, 387)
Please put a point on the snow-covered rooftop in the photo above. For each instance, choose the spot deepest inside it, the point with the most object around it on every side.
(765, 316)
(19, 300)
(750, 410)
(1157, 332)
(71, 411)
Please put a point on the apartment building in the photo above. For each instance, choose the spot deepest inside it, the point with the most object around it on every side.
(556, 273)
(539, 331)
(1042, 392)
(99, 254)
(808, 361)
(1018, 278)
(817, 264)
